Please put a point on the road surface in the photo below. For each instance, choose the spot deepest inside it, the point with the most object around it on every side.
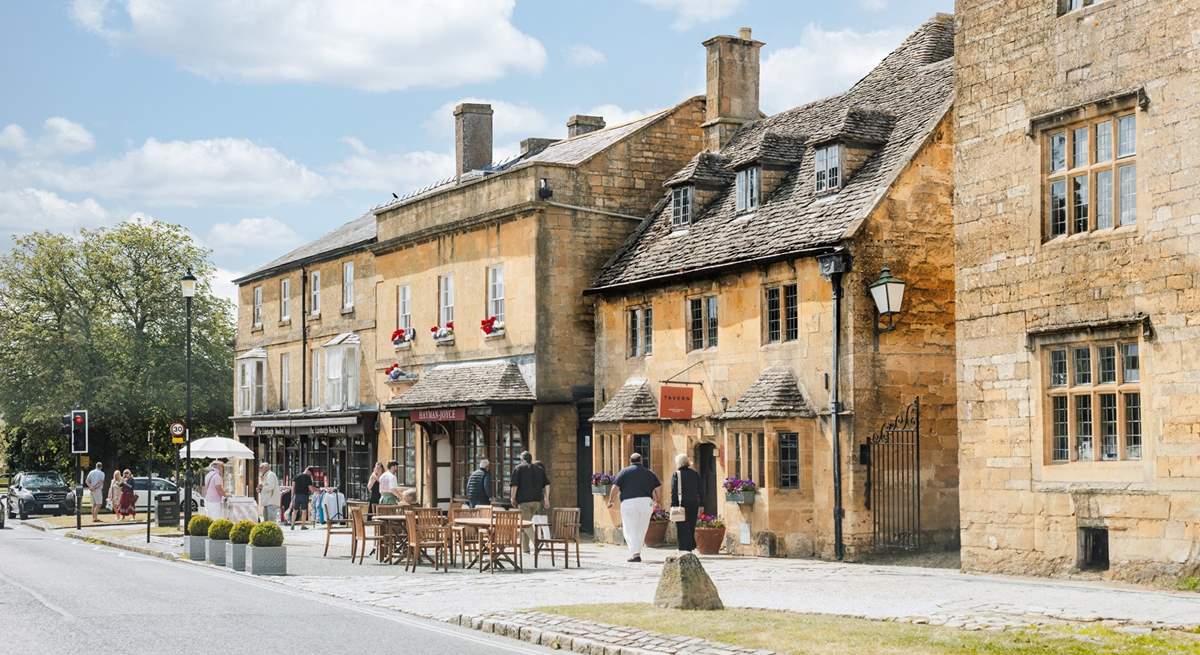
(60, 595)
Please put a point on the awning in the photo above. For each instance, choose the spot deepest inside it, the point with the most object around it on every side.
(253, 353)
(304, 422)
(464, 385)
(632, 402)
(775, 394)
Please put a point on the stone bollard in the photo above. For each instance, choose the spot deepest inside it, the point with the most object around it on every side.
(685, 585)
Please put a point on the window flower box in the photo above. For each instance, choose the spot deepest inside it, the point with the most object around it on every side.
(491, 327)
(403, 338)
(602, 483)
(443, 335)
(396, 375)
(740, 491)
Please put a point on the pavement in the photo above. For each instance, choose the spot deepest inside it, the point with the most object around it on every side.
(67, 596)
(889, 592)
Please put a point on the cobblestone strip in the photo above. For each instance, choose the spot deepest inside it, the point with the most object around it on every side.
(591, 637)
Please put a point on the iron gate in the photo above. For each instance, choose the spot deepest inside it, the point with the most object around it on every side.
(894, 480)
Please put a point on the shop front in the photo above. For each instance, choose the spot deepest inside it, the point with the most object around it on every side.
(340, 448)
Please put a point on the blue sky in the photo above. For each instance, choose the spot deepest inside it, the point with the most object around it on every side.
(260, 124)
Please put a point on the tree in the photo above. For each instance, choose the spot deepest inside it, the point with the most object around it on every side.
(96, 321)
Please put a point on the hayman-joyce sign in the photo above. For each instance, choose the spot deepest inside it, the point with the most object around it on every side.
(453, 414)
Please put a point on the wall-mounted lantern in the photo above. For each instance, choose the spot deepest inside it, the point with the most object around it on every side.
(888, 292)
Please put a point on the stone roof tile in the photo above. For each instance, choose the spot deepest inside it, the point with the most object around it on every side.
(775, 394)
(632, 402)
(463, 385)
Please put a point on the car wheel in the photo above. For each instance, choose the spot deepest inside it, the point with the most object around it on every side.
(21, 513)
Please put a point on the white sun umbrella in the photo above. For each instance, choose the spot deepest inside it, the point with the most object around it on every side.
(217, 448)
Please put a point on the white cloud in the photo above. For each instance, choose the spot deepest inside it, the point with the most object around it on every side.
(389, 172)
(223, 286)
(689, 13)
(22, 210)
(251, 234)
(616, 115)
(585, 55)
(376, 45)
(59, 137)
(824, 63)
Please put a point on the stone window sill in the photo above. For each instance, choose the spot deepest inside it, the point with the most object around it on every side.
(285, 322)
(499, 334)
(445, 343)
(347, 311)
(403, 345)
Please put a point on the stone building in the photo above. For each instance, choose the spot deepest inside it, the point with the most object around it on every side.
(305, 347)
(718, 323)
(1077, 230)
(485, 340)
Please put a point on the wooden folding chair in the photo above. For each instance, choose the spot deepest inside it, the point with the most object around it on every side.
(465, 538)
(503, 541)
(425, 533)
(563, 531)
(339, 526)
(361, 538)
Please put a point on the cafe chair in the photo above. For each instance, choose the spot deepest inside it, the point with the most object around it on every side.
(503, 542)
(360, 539)
(563, 530)
(425, 534)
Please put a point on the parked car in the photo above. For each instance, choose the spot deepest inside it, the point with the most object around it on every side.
(39, 492)
(163, 489)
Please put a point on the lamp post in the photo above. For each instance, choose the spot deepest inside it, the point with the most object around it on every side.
(188, 286)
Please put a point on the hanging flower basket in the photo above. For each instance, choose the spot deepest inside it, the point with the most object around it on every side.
(740, 491)
(403, 338)
(491, 327)
(602, 483)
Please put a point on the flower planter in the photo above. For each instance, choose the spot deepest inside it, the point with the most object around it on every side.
(216, 551)
(235, 556)
(261, 560)
(402, 345)
(740, 497)
(195, 547)
(709, 540)
(656, 534)
(601, 489)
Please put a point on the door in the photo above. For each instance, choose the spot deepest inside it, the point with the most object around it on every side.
(706, 466)
(583, 468)
(443, 454)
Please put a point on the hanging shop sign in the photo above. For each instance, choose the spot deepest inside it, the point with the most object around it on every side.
(675, 403)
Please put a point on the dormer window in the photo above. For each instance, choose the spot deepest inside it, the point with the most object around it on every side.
(681, 206)
(828, 164)
(747, 187)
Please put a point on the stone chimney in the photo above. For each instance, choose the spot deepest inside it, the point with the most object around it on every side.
(732, 86)
(472, 137)
(580, 124)
(535, 144)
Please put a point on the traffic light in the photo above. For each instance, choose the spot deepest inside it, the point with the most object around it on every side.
(79, 431)
(66, 427)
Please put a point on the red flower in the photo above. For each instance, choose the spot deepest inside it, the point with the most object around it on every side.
(434, 329)
(488, 325)
(450, 325)
(398, 334)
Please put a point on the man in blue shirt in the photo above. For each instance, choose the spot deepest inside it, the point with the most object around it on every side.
(638, 487)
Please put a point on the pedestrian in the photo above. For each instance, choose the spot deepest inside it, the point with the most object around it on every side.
(95, 484)
(114, 491)
(302, 489)
(529, 491)
(268, 492)
(388, 483)
(638, 487)
(214, 491)
(685, 493)
(373, 494)
(479, 485)
(408, 497)
(128, 507)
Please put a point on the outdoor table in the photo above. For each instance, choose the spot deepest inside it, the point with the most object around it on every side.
(482, 524)
(393, 526)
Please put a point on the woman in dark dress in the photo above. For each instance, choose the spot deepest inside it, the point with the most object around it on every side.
(685, 493)
(373, 485)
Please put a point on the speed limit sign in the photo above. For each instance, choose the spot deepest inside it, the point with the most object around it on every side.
(177, 431)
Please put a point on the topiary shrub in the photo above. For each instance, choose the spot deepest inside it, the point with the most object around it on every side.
(266, 535)
(198, 526)
(220, 529)
(240, 534)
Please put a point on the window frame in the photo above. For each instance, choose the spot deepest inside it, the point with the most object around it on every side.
(782, 323)
(643, 443)
(1080, 402)
(285, 387)
(445, 299)
(347, 286)
(314, 290)
(1073, 195)
(789, 467)
(285, 299)
(748, 188)
(702, 325)
(682, 206)
(828, 171)
(341, 392)
(404, 306)
(639, 331)
(316, 379)
(257, 300)
(495, 292)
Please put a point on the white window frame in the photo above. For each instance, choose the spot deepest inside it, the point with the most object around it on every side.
(682, 200)
(285, 299)
(316, 378)
(748, 186)
(285, 378)
(256, 315)
(315, 292)
(495, 300)
(347, 286)
(341, 376)
(827, 167)
(404, 307)
(252, 373)
(445, 299)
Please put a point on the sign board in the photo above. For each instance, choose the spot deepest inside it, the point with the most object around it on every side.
(455, 414)
(167, 512)
(177, 429)
(675, 403)
(85, 461)
(176, 440)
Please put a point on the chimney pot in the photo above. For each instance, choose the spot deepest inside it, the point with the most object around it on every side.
(731, 95)
(744, 33)
(472, 137)
(535, 144)
(581, 124)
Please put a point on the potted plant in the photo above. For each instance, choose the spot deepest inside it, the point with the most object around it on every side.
(710, 533)
(218, 536)
(491, 327)
(195, 542)
(266, 554)
(403, 338)
(235, 549)
(602, 483)
(656, 534)
(740, 491)
(443, 334)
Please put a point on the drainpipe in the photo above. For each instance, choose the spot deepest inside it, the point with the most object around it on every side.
(832, 267)
(304, 337)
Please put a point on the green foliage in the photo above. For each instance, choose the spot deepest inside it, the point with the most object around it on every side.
(266, 535)
(198, 526)
(96, 320)
(220, 529)
(240, 534)
(1190, 583)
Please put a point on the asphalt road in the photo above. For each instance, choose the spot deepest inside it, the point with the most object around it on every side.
(60, 595)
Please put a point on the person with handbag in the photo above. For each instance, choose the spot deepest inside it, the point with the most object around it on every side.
(685, 502)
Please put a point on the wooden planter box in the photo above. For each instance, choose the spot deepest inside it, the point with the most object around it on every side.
(216, 551)
(235, 556)
(656, 534)
(709, 540)
(262, 560)
(741, 497)
(195, 547)
(601, 489)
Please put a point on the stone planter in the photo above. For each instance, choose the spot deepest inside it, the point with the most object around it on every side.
(708, 540)
(235, 556)
(195, 547)
(656, 534)
(740, 497)
(262, 560)
(601, 489)
(216, 551)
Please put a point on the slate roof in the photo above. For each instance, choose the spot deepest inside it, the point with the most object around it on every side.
(706, 169)
(775, 394)
(912, 87)
(357, 232)
(632, 402)
(463, 385)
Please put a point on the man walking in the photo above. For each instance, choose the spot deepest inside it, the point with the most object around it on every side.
(639, 490)
(302, 488)
(530, 492)
(479, 485)
(95, 484)
(268, 492)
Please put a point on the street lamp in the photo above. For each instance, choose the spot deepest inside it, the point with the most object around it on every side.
(188, 286)
(888, 292)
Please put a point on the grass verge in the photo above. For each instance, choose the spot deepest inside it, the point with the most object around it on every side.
(819, 634)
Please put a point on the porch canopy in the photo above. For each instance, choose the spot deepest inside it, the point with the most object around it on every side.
(633, 402)
(775, 394)
(463, 385)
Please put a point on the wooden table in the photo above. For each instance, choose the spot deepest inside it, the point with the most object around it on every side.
(395, 528)
(481, 523)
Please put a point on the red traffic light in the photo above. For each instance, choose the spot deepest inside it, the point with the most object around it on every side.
(79, 419)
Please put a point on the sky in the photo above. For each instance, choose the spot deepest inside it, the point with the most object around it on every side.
(262, 124)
